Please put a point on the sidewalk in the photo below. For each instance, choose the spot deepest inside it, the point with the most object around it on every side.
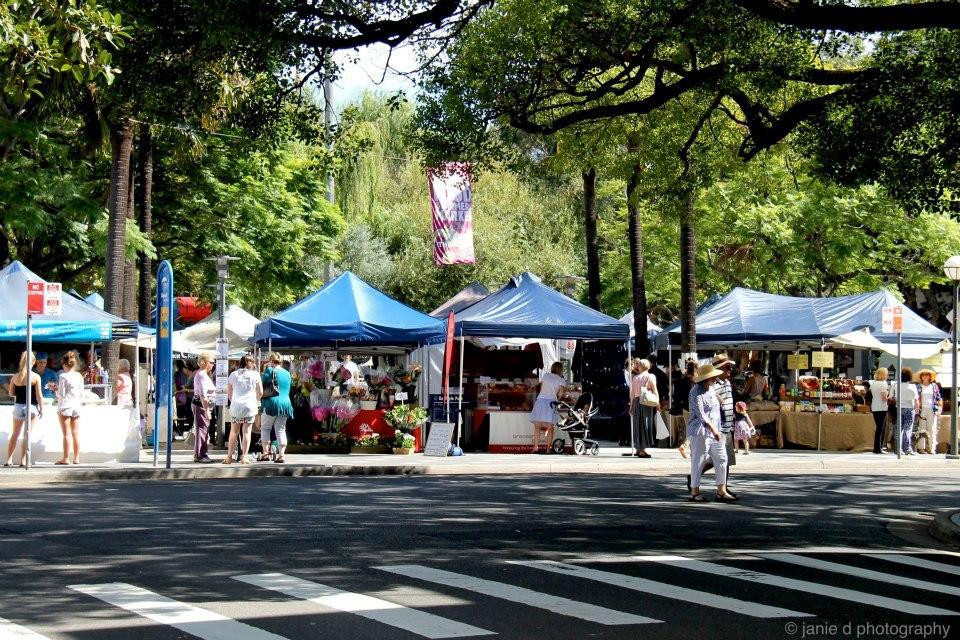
(610, 461)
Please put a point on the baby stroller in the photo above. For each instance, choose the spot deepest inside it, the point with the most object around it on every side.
(577, 425)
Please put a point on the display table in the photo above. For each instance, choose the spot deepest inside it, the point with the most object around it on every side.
(374, 419)
(840, 431)
(107, 432)
(511, 432)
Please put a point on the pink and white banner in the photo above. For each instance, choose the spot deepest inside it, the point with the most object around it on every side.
(451, 201)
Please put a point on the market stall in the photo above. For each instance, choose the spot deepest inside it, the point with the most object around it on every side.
(752, 320)
(109, 432)
(347, 316)
(526, 311)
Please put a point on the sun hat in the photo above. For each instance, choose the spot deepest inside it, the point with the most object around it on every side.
(706, 371)
(741, 406)
(721, 359)
(930, 372)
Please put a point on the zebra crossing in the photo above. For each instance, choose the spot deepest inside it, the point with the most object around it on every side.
(527, 588)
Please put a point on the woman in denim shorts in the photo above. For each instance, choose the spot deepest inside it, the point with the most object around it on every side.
(18, 389)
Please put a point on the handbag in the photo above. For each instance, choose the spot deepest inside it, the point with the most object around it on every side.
(271, 390)
(649, 398)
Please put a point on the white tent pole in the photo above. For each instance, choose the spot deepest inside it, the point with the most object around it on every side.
(669, 376)
(629, 385)
(136, 376)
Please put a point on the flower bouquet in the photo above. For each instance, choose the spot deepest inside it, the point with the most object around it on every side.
(407, 377)
(406, 417)
(342, 376)
(368, 442)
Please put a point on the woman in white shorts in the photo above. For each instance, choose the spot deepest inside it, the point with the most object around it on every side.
(244, 389)
(69, 401)
(544, 416)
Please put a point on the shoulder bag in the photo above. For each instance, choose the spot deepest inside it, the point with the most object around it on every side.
(271, 390)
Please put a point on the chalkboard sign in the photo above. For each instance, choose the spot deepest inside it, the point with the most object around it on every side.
(438, 441)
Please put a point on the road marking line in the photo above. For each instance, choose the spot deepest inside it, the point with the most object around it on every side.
(555, 604)
(664, 590)
(11, 631)
(797, 585)
(846, 569)
(185, 617)
(920, 563)
(391, 613)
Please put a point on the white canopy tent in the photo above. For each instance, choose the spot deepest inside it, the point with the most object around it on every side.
(238, 327)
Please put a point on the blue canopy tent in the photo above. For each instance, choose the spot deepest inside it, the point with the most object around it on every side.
(763, 320)
(79, 322)
(348, 313)
(527, 308)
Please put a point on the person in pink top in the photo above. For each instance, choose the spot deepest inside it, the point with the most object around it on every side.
(124, 384)
(203, 390)
(644, 400)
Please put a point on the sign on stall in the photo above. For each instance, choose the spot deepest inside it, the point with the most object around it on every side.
(400, 396)
(797, 361)
(223, 348)
(44, 298)
(893, 319)
(438, 441)
(822, 360)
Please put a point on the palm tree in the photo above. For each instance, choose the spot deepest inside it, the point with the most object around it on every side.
(635, 237)
(688, 275)
(590, 236)
(145, 205)
(121, 143)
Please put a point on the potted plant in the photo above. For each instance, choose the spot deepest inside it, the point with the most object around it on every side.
(403, 443)
(367, 443)
(406, 417)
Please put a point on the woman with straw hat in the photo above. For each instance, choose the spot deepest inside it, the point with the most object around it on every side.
(931, 406)
(703, 431)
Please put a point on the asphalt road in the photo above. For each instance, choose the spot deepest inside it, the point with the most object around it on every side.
(400, 558)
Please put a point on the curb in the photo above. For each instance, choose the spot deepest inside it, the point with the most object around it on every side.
(946, 527)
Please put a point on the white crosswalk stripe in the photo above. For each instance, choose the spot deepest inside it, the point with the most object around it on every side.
(664, 590)
(850, 570)
(11, 631)
(771, 580)
(185, 617)
(919, 563)
(412, 620)
(521, 595)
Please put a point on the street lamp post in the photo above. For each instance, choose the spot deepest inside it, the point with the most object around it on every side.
(223, 272)
(952, 269)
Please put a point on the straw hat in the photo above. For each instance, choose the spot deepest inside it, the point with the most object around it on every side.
(721, 360)
(930, 372)
(705, 372)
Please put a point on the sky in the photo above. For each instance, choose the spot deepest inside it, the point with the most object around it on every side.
(364, 69)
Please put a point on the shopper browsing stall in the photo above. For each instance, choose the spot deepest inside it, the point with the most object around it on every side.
(277, 408)
(931, 406)
(879, 393)
(544, 416)
(69, 401)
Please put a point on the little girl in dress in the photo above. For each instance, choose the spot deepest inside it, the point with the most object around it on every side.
(743, 428)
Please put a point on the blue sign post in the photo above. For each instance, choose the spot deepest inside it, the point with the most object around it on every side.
(163, 416)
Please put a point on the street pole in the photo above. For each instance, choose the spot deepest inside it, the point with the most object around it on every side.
(899, 388)
(952, 453)
(223, 272)
(26, 428)
(331, 187)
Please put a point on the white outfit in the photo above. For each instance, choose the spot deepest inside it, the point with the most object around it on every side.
(929, 421)
(542, 409)
(877, 388)
(243, 401)
(279, 424)
(908, 393)
(70, 394)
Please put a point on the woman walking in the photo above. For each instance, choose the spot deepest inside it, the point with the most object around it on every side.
(124, 384)
(703, 431)
(879, 393)
(203, 390)
(909, 404)
(17, 389)
(277, 407)
(644, 402)
(931, 406)
(244, 388)
(544, 416)
(69, 401)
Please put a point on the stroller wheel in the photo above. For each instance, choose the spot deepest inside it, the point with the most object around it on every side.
(595, 449)
(579, 447)
(559, 445)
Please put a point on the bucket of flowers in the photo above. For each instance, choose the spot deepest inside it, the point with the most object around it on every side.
(403, 443)
(368, 442)
(407, 379)
(406, 417)
(377, 381)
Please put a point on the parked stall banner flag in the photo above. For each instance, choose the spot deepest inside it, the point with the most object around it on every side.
(448, 358)
(163, 416)
(451, 202)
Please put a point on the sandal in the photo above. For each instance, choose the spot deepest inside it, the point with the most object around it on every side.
(279, 460)
(227, 461)
(244, 460)
(263, 457)
(61, 462)
(728, 499)
(698, 498)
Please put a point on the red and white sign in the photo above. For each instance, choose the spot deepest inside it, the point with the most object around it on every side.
(451, 202)
(44, 298)
(893, 319)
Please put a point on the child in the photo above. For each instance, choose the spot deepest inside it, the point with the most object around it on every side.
(743, 428)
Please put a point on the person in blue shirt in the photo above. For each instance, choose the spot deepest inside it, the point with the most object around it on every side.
(48, 377)
(277, 407)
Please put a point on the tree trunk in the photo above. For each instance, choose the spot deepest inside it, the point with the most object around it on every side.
(590, 236)
(145, 199)
(130, 264)
(121, 143)
(635, 235)
(688, 276)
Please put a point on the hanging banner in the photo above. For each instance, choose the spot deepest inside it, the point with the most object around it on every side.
(163, 416)
(451, 202)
